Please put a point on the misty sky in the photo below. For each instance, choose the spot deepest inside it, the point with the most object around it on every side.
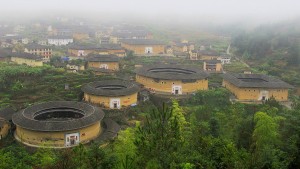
(252, 9)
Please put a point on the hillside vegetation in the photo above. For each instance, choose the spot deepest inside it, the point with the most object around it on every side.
(273, 49)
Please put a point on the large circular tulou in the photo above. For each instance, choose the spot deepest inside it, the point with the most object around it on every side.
(58, 124)
(172, 79)
(112, 94)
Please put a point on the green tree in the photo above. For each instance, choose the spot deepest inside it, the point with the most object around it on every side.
(214, 127)
(96, 156)
(125, 149)
(178, 114)
(44, 158)
(15, 157)
(17, 86)
(80, 156)
(159, 139)
(265, 143)
(293, 57)
(65, 159)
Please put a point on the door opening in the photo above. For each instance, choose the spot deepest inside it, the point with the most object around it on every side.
(176, 89)
(72, 140)
(115, 103)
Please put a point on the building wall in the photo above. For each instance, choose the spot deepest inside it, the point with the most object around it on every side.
(117, 52)
(225, 60)
(4, 130)
(253, 94)
(25, 41)
(57, 139)
(193, 56)
(59, 42)
(219, 67)
(180, 48)
(81, 36)
(113, 40)
(140, 49)
(212, 67)
(28, 62)
(75, 52)
(111, 65)
(46, 53)
(166, 85)
(169, 51)
(191, 47)
(105, 100)
(4, 59)
(207, 57)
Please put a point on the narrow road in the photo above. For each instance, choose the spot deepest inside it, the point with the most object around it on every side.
(228, 50)
(240, 60)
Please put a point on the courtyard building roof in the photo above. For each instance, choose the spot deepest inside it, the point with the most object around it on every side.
(142, 42)
(255, 81)
(111, 88)
(102, 58)
(172, 72)
(58, 116)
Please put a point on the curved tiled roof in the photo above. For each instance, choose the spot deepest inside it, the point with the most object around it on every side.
(36, 46)
(172, 72)
(255, 81)
(102, 58)
(95, 47)
(82, 47)
(5, 53)
(209, 52)
(26, 55)
(213, 61)
(6, 113)
(26, 118)
(101, 70)
(142, 42)
(60, 37)
(110, 88)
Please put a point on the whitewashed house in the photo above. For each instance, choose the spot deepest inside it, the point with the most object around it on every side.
(60, 40)
(224, 58)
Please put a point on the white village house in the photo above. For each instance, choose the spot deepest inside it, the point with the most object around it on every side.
(60, 40)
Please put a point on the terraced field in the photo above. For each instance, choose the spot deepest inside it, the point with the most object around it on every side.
(49, 85)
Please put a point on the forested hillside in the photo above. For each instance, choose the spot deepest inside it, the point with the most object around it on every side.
(206, 131)
(274, 49)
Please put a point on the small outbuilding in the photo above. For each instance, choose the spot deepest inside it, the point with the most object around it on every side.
(212, 65)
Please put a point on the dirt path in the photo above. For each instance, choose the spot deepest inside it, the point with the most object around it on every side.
(240, 60)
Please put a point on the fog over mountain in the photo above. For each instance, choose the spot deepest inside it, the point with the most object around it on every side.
(190, 11)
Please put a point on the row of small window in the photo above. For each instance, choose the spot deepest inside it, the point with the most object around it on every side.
(45, 53)
(162, 82)
(254, 90)
(61, 40)
(35, 50)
